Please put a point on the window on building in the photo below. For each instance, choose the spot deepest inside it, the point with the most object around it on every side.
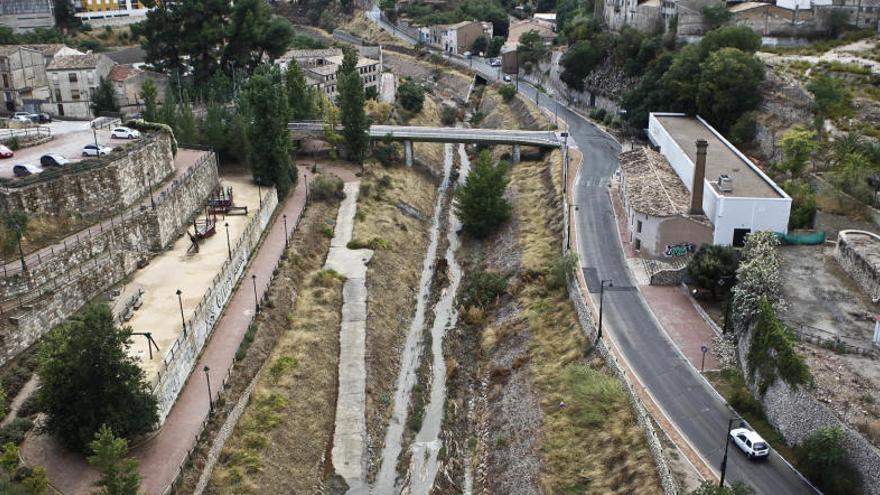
(91, 78)
(637, 244)
(57, 94)
(639, 226)
(71, 77)
(74, 94)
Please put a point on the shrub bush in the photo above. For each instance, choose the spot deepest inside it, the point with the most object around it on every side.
(448, 115)
(15, 431)
(712, 264)
(411, 95)
(824, 460)
(482, 289)
(557, 276)
(327, 187)
(507, 92)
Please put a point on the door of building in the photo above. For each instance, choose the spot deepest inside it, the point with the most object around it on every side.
(739, 237)
(60, 110)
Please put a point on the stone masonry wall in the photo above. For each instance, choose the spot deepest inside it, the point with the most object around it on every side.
(796, 414)
(182, 355)
(114, 183)
(188, 196)
(853, 259)
(59, 286)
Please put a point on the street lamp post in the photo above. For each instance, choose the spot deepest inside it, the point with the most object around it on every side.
(210, 395)
(256, 301)
(180, 302)
(285, 230)
(20, 250)
(228, 243)
(95, 134)
(602, 302)
(726, 446)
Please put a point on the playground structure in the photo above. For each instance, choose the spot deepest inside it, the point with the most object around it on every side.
(221, 201)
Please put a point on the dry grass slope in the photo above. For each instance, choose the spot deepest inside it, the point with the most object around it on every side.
(392, 278)
(280, 441)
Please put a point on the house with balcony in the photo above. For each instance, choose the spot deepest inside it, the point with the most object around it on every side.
(23, 83)
(73, 79)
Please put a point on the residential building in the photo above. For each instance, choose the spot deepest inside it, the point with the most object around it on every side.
(519, 28)
(110, 5)
(735, 195)
(127, 82)
(308, 58)
(323, 75)
(73, 79)
(52, 50)
(546, 19)
(455, 38)
(23, 84)
(26, 15)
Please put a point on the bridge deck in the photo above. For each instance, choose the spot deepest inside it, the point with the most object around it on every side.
(544, 139)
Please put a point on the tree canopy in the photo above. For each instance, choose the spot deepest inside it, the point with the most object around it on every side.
(713, 268)
(411, 95)
(89, 379)
(351, 99)
(105, 98)
(269, 141)
(480, 203)
(119, 474)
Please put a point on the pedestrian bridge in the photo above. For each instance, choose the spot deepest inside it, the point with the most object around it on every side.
(408, 134)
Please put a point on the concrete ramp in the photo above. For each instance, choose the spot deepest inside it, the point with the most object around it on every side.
(349, 440)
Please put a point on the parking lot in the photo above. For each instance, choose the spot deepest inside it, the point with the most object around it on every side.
(69, 143)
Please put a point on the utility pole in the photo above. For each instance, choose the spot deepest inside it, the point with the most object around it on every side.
(601, 303)
(726, 446)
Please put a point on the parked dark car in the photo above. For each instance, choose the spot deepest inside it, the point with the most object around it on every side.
(23, 170)
(53, 160)
(41, 118)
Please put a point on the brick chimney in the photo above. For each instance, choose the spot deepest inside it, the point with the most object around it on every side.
(699, 179)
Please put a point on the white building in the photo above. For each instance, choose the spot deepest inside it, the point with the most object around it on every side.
(73, 80)
(737, 197)
(320, 67)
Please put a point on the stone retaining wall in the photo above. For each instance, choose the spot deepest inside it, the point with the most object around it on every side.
(795, 413)
(854, 259)
(182, 355)
(55, 289)
(97, 187)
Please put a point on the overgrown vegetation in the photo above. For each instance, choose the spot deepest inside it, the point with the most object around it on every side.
(411, 95)
(772, 352)
(823, 458)
(713, 268)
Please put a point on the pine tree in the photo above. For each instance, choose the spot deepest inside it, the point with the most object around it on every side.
(269, 139)
(150, 96)
(89, 379)
(187, 132)
(300, 97)
(351, 99)
(480, 202)
(119, 474)
(168, 114)
(105, 98)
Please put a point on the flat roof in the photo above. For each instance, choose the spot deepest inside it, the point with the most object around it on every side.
(741, 7)
(720, 160)
(652, 186)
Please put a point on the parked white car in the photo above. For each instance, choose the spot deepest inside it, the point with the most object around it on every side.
(750, 442)
(495, 62)
(21, 117)
(124, 133)
(95, 150)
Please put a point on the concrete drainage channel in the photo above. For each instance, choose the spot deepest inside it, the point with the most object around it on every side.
(426, 445)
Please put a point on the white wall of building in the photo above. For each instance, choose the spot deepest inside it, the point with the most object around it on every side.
(725, 212)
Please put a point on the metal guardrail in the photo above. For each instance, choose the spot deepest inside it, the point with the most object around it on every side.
(27, 133)
(824, 337)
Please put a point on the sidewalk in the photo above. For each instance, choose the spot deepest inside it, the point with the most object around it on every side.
(682, 323)
(161, 456)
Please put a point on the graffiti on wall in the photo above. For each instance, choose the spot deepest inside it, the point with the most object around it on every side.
(682, 249)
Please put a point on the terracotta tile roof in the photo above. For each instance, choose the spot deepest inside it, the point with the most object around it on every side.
(651, 186)
(120, 73)
(86, 61)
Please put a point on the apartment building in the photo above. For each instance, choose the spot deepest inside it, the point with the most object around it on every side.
(455, 38)
(320, 67)
(26, 15)
(73, 79)
(110, 5)
(23, 84)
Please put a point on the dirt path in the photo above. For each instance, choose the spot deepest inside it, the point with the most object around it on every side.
(19, 399)
(162, 456)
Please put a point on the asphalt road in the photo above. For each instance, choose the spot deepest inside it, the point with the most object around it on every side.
(688, 400)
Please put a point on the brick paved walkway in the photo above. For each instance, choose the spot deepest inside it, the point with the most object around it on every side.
(682, 322)
(160, 457)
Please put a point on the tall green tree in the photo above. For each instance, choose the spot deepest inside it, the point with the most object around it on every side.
(105, 98)
(713, 268)
(269, 139)
(729, 80)
(531, 47)
(119, 474)
(350, 99)
(301, 100)
(797, 145)
(253, 32)
(187, 129)
(168, 113)
(579, 60)
(88, 379)
(480, 203)
(150, 96)
(65, 17)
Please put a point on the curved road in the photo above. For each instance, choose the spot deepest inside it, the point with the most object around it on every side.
(685, 397)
